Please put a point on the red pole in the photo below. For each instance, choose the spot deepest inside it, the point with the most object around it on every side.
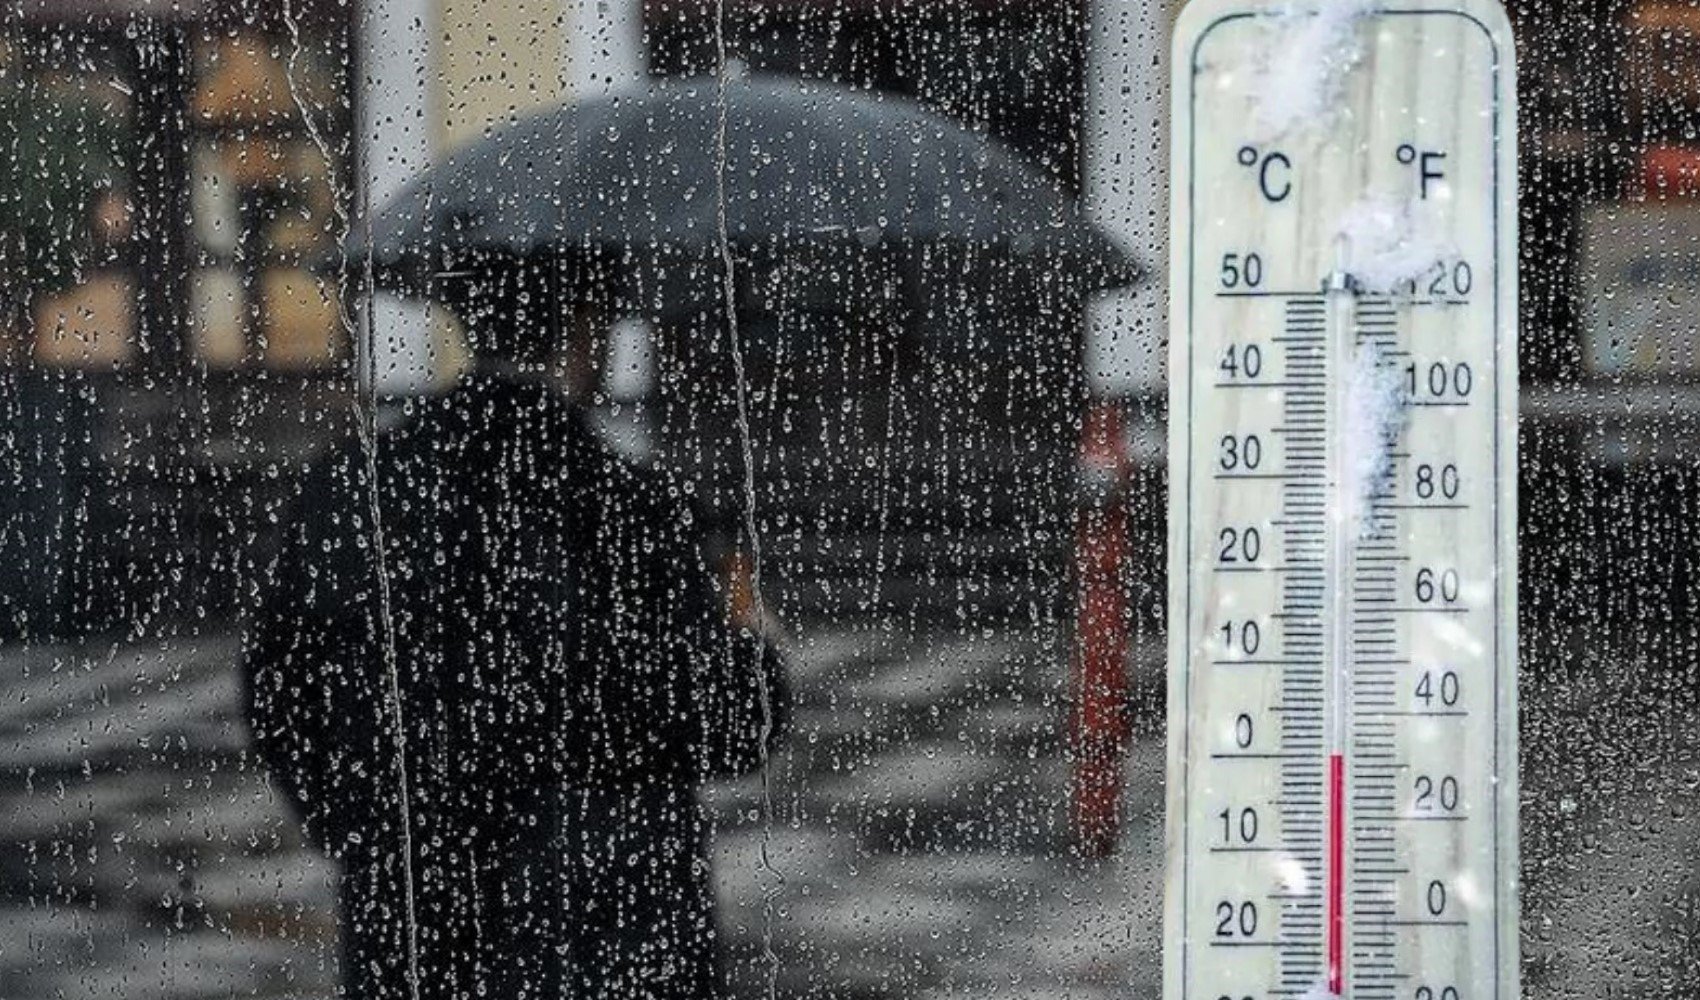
(1099, 725)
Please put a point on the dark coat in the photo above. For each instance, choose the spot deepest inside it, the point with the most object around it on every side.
(567, 680)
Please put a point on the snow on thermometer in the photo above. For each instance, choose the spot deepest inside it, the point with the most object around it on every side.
(1342, 686)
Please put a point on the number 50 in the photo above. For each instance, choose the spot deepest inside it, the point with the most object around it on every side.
(1238, 271)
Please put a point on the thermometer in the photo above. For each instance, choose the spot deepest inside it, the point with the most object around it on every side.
(1343, 604)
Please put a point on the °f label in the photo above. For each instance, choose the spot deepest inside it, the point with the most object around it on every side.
(1342, 670)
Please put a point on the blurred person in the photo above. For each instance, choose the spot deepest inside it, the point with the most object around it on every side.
(569, 675)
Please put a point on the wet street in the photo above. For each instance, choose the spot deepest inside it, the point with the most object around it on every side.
(919, 827)
(917, 834)
(916, 846)
(144, 853)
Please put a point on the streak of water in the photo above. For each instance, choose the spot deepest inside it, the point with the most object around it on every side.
(366, 426)
(729, 288)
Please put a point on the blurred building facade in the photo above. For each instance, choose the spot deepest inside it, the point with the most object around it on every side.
(205, 338)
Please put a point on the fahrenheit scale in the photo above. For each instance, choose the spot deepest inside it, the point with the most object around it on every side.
(1343, 753)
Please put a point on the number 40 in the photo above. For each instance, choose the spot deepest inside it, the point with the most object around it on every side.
(1242, 360)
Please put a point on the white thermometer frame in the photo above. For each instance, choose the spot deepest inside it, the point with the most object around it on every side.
(1183, 948)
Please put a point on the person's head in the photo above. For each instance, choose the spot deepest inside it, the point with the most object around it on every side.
(544, 316)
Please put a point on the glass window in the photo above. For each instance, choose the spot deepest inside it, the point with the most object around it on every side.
(692, 498)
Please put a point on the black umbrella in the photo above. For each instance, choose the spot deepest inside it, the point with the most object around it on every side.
(805, 163)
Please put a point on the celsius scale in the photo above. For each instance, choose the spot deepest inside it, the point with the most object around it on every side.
(1343, 603)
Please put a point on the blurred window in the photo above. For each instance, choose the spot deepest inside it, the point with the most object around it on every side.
(270, 148)
(247, 189)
